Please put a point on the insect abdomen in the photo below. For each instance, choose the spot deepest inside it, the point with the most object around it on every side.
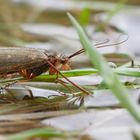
(38, 70)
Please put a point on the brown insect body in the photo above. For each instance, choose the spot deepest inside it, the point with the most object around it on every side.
(29, 62)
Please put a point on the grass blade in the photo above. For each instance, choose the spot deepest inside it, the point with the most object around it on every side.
(40, 132)
(106, 72)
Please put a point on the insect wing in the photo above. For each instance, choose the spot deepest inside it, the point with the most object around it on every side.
(14, 59)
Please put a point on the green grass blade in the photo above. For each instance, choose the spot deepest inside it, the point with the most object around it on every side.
(40, 132)
(106, 72)
(134, 72)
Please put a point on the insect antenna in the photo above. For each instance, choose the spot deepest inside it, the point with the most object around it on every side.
(82, 50)
(100, 45)
(113, 44)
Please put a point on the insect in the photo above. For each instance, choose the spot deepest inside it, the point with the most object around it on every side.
(30, 62)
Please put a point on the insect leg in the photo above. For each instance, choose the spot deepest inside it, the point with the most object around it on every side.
(24, 73)
(62, 83)
(75, 85)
